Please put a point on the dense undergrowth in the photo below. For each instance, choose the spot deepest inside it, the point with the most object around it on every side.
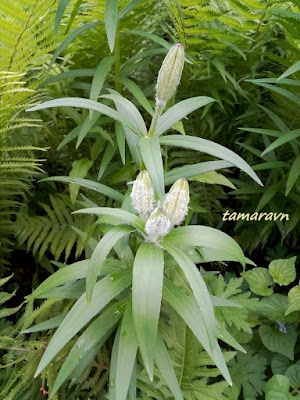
(242, 66)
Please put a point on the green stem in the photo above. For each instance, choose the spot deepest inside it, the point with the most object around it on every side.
(157, 113)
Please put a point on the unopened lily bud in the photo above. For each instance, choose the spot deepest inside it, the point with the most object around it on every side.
(170, 74)
(158, 225)
(176, 202)
(142, 195)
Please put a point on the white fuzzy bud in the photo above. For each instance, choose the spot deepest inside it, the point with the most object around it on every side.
(158, 225)
(142, 195)
(176, 202)
(169, 74)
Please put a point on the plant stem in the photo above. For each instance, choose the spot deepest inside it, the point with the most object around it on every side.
(157, 113)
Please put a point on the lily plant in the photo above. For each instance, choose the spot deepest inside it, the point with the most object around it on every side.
(120, 288)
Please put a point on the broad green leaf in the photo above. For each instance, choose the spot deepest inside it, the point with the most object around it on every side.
(100, 253)
(86, 183)
(81, 313)
(194, 169)
(147, 282)
(49, 324)
(213, 177)
(79, 169)
(59, 13)
(293, 373)
(206, 237)
(199, 289)
(138, 94)
(280, 364)
(188, 310)
(274, 307)
(131, 111)
(292, 70)
(78, 270)
(179, 111)
(111, 21)
(127, 350)
(90, 105)
(293, 175)
(87, 341)
(293, 300)
(260, 281)
(151, 154)
(165, 366)
(283, 271)
(286, 137)
(70, 38)
(277, 341)
(212, 148)
(278, 388)
(124, 216)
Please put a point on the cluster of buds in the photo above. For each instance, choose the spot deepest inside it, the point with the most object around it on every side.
(168, 213)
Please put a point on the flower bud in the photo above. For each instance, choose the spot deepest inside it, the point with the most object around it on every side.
(176, 202)
(158, 225)
(142, 195)
(170, 74)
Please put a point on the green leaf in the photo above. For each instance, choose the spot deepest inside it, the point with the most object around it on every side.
(113, 366)
(71, 272)
(260, 281)
(293, 175)
(278, 388)
(87, 341)
(100, 76)
(100, 253)
(73, 15)
(106, 159)
(126, 357)
(49, 324)
(111, 21)
(79, 169)
(130, 6)
(179, 111)
(213, 177)
(285, 138)
(70, 38)
(81, 313)
(138, 94)
(268, 195)
(151, 154)
(164, 364)
(90, 105)
(293, 300)
(59, 13)
(292, 70)
(120, 135)
(206, 237)
(147, 284)
(86, 127)
(98, 187)
(188, 310)
(274, 307)
(283, 92)
(199, 289)
(131, 111)
(277, 341)
(124, 216)
(293, 373)
(212, 148)
(279, 364)
(283, 271)
(194, 169)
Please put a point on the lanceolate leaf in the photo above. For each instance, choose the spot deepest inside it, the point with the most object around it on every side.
(124, 216)
(49, 324)
(147, 283)
(286, 137)
(179, 111)
(164, 364)
(111, 20)
(98, 187)
(293, 175)
(100, 253)
(100, 76)
(127, 350)
(188, 310)
(212, 148)
(204, 236)
(292, 70)
(152, 158)
(87, 342)
(199, 289)
(88, 104)
(82, 312)
(59, 13)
